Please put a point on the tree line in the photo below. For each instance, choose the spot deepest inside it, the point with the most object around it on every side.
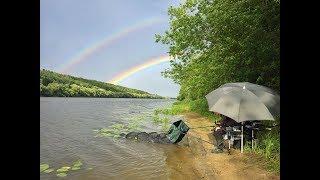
(53, 84)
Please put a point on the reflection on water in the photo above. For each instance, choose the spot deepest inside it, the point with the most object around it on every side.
(67, 135)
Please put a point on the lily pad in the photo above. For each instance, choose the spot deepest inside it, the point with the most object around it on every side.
(75, 168)
(89, 168)
(62, 174)
(49, 170)
(63, 169)
(77, 163)
(43, 167)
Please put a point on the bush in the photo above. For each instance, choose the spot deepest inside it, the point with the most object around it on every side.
(268, 146)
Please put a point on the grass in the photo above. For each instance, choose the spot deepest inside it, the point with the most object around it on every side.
(268, 147)
(199, 106)
(162, 120)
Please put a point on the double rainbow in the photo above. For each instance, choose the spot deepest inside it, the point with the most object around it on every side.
(150, 62)
(109, 40)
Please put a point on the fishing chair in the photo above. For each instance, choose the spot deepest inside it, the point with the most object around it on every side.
(233, 134)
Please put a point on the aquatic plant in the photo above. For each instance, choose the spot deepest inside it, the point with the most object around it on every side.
(63, 169)
(48, 170)
(156, 119)
(165, 124)
(112, 131)
(44, 167)
(115, 130)
(133, 126)
(162, 120)
(75, 168)
(62, 174)
(76, 165)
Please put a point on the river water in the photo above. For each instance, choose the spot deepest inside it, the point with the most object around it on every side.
(66, 135)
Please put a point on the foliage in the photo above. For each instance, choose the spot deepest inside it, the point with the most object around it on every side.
(161, 119)
(175, 109)
(156, 118)
(63, 169)
(62, 174)
(268, 146)
(112, 131)
(200, 106)
(59, 85)
(221, 41)
(165, 124)
(116, 129)
(44, 167)
(76, 165)
(49, 170)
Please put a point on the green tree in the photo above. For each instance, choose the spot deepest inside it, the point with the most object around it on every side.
(220, 41)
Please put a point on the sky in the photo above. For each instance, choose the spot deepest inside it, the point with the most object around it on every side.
(100, 39)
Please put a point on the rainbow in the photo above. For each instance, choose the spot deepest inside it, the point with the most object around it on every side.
(109, 40)
(150, 62)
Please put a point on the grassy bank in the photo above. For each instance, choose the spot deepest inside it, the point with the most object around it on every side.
(199, 106)
(268, 146)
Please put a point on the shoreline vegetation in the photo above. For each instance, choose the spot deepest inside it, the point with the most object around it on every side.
(224, 41)
(268, 146)
(53, 84)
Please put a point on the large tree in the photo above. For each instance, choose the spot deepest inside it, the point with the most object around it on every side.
(220, 41)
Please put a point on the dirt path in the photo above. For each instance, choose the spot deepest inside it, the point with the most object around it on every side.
(207, 165)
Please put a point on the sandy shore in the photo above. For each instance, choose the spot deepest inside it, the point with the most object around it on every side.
(198, 162)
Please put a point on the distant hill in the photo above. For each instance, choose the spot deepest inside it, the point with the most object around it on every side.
(53, 84)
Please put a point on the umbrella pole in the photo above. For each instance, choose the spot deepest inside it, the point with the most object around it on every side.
(242, 138)
(252, 138)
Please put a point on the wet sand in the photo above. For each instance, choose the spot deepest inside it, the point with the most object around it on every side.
(196, 161)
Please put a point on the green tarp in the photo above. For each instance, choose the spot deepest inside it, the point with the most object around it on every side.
(177, 131)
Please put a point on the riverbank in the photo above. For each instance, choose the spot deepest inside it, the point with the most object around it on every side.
(207, 165)
(267, 148)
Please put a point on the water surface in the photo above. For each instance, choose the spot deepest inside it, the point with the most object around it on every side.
(67, 135)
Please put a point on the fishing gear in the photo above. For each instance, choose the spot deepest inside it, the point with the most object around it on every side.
(200, 127)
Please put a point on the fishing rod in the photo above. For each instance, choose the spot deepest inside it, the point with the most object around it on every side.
(200, 127)
(198, 137)
(201, 139)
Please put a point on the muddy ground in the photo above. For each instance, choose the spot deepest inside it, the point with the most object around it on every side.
(201, 163)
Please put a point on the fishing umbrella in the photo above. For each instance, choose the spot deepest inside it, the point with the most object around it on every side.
(245, 102)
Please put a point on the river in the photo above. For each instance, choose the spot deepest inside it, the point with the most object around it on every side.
(67, 134)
